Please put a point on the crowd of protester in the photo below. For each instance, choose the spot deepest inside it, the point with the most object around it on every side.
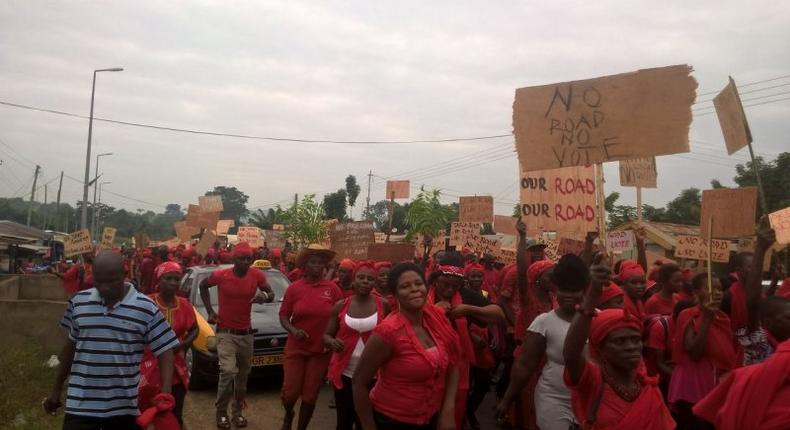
(580, 343)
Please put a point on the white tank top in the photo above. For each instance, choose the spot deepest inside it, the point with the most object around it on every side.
(361, 325)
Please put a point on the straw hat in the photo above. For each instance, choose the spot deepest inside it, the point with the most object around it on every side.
(311, 250)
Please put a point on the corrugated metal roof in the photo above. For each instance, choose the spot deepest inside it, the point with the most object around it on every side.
(15, 230)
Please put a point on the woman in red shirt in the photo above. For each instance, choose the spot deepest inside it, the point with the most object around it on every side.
(613, 392)
(304, 312)
(350, 326)
(633, 283)
(411, 351)
(180, 314)
(670, 281)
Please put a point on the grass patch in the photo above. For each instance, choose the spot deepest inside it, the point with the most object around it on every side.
(26, 380)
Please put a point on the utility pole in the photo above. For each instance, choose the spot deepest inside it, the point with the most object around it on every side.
(46, 209)
(57, 205)
(370, 179)
(296, 199)
(32, 194)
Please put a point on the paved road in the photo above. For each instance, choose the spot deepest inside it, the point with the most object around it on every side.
(265, 410)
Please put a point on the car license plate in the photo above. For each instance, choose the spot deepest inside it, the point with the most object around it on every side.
(267, 360)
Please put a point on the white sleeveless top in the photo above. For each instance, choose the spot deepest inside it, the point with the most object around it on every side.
(362, 325)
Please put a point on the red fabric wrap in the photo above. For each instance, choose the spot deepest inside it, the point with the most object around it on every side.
(755, 397)
(275, 252)
(738, 314)
(369, 265)
(167, 267)
(467, 348)
(720, 345)
(536, 269)
(474, 267)
(347, 263)
(636, 309)
(349, 337)
(607, 321)
(629, 269)
(608, 293)
(382, 265)
(159, 415)
(242, 249)
(451, 271)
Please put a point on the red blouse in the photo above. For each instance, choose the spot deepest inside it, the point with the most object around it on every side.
(309, 307)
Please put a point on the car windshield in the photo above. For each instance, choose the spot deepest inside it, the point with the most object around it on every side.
(277, 281)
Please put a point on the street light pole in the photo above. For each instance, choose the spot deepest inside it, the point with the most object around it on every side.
(98, 214)
(84, 217)
(94, 230)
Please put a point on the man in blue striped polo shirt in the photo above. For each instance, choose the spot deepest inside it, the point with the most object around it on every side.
(108, 328)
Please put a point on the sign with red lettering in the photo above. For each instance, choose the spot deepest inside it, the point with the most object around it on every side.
(251, 235)
(780, 222)
(561, 200)
(696, 248)
(733, 211)
(400, 189)
(617, 117)
(476, 209)
(619, 241)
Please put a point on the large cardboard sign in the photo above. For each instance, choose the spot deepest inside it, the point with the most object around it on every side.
(224, 225)
(638, 172)
(251, 235)
(437, 243)
(780, 222)
(206, 242)
(107, 237)
(507, 256)
(77, 243)
(733, 211)
(210, 203)
(732, 118)
(619, 241)
(140, 240)
(274, 239)
(482, 245)
(400, 188)
(561, 200)
(462, 232)
(618, 117)
(504, 224)
(351, 239)
(696, 248)
(392, 252)
(476, 209)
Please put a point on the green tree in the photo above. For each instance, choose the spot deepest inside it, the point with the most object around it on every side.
(352, 190)
(234, 202)
(174, 209)
(379, 214)
(335, 205)
(685, 208)
(775, 176)
(716, 184)
(427, 215)
(305, 222)
(266, 219)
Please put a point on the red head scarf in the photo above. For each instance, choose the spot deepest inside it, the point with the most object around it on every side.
(167, 267)
(653, 276)
(347, 263)
(537, 269)
(629, 269)
(369, 265)
(242, 249)
(451, 271)
(609, 292)
(188, 253)
(275, 252)
(474, 267)
(605, 322)
(382, 265)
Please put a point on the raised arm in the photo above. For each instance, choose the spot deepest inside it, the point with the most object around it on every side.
(754, 289)
(641, 256)
(521, 260)
(580, 326)
(588, 254)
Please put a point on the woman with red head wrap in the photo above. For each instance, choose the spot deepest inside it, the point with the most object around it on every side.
(180, 314)
(382, 271)
(633, 284)
(611, 297)
(613, 392)
(350, 326)
(345, 276)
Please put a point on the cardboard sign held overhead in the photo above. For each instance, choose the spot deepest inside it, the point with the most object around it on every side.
(780, 222)
(251, 235)
(206, 242)
(107, 237)
(392, 252)
(140, 240)
(400, 188)
(193, 210)
(437, 243)
(696, 248)
(618, 117)
(274, 239)
(561, 200)
(351, 239)
(507, 256)
(733, 211)
(210, 203)
(732, 118)
(619, 241)
(224, 225)
(505, 225)
(638, 172)
(476, 209)
(552, 250)
(77, 243)
(185, 232)
(462, 232)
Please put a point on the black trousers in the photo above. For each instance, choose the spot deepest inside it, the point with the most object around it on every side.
(384, 422)
(179, 393)
(80, 422)
(507, 362)
(344, 407)
(481, 385)
(687, 420)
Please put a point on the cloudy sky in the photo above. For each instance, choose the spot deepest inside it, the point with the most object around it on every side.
(354, 70)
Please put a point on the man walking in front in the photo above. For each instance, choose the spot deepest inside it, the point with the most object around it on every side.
(108, 327)
(238, 288)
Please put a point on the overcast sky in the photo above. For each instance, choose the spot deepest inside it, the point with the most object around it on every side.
(361, 70)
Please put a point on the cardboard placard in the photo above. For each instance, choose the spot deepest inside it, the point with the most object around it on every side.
(274, 239)
(552, 249)
(210, 203)
(107, 237)
(732, 118)
(185, 232)
(77, 243)
(733, 211)
(141, 240)
(507, 256)
(617, 117)
(251, 235)
(570, 246)
(224, 225)
(619, 241)
(476, 209)
(561, 200)
(379, 237)
(482, 245)
(278, 227)
(638, 172)
(437, 243)
(193, 210)
(206, 242)
(351, 239)
(392, 252)
(504, 224)
(696, 248)
(461, 233)
(400, 188)
(780, 222)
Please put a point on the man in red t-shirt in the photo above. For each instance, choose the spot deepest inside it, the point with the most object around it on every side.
(238, 288)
